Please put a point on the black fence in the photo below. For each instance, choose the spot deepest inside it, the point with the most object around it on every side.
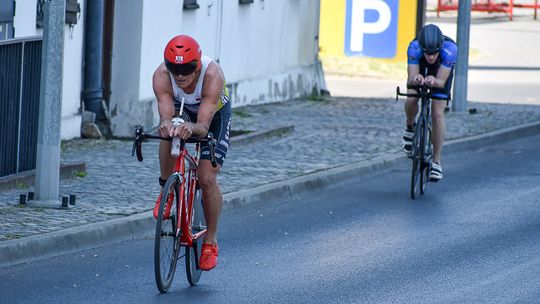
(20, 72)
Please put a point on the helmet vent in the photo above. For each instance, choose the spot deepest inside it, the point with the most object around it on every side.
(179, 46)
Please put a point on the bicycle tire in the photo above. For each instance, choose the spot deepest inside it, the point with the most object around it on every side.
(193, 254)
(425, 165)
(167, 244)
(415, 156)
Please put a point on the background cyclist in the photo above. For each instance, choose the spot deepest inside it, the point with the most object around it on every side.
(431, 58)
(200, 80)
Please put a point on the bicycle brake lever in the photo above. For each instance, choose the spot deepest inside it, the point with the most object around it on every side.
(139, 136)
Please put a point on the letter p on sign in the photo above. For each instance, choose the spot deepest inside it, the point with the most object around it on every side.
(371, 28)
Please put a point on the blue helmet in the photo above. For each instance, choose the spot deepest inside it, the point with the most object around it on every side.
(431, 39)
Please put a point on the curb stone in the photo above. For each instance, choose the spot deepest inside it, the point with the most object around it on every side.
(66, 171)
(141, 225)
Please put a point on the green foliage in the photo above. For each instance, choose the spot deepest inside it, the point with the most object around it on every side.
(240, 112)
(316, 98)
(363, 67)
(240, 132)
(78, 173)
(20, 185)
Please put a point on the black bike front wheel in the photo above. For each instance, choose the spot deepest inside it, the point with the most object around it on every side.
(193, 254)
(416, 161)
(167, 244)
(425, 165)
(415, 172)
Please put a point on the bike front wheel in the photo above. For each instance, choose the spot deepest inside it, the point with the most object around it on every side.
(416, 161)
(425, 165)
(193, 254)
(167, 244)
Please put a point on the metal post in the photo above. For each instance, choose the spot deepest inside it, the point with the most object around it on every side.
(420, 15)
(459, 103)
(50, 104)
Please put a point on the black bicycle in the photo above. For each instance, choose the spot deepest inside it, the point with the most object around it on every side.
(422, 149)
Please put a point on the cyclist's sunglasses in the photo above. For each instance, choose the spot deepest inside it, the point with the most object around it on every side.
(181, 69)
(431, 52)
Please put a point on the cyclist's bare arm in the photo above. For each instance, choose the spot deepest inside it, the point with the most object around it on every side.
(211, 93)
(413, 75)
(438, 81)
(162, 86)
(442, 76)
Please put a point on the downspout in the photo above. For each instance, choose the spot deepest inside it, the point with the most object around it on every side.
(92, 94)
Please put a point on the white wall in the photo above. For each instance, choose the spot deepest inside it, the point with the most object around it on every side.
(25, 18)
(267, 49)
(25, 26)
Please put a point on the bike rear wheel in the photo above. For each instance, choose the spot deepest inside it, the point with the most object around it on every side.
(193, 254)
(167, 244)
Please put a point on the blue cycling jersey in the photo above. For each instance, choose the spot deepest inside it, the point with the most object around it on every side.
(447, 53)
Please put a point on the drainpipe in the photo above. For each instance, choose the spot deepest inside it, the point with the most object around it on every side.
(93, 61)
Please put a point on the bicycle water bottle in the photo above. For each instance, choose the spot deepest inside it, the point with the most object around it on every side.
(175, 147)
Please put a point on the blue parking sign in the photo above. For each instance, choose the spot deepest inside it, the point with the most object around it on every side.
(371, 28)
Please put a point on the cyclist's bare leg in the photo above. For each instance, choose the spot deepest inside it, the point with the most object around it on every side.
(437, 137)
(212, 198)
(411, 108)
(166, 161)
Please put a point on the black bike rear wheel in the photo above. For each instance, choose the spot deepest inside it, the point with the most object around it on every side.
(193, 254)
(167, 244)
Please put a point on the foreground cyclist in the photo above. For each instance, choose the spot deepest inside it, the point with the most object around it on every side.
(431, 59)
(185, 73)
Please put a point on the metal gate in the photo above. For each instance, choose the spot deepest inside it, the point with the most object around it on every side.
(20, 72)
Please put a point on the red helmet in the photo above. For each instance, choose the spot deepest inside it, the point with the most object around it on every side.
(182, 55)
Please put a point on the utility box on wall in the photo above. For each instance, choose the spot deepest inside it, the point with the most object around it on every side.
(7, 11)
(73, 9)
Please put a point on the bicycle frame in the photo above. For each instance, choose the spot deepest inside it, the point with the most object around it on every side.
(185, 208)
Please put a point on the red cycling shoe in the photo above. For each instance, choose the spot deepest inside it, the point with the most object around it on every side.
(167, 211)
(209, 257)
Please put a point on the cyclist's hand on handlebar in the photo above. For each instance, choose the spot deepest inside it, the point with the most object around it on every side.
(184, 131)
(418, 79)
(430, 80)
(165, 128)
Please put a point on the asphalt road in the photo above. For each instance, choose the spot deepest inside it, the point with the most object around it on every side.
(473, 238)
